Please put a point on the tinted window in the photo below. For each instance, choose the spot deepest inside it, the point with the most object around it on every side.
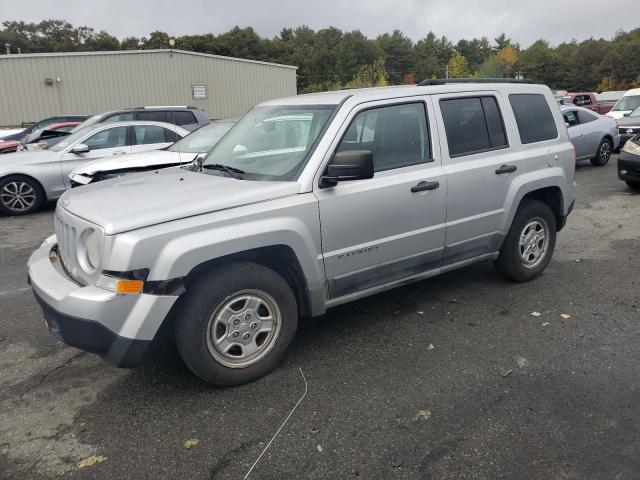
(397, 135)
(571, 118)
(109, 138)
(473, 125)
(171, 136)
(534, 118)
(149, 134)
(154, 116)
(184, 118)
(586, 117)
(120, 117)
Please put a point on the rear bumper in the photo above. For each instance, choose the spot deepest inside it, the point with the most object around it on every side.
(119, 328)
(629, 167)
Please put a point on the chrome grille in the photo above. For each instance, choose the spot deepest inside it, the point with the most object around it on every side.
(624, 130)
(68, 229)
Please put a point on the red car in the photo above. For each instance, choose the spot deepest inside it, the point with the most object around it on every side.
(41, 137)
(588, 100)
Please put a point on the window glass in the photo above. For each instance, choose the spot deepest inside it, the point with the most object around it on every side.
(203, 139)
(109, 138)
(184, 118)
(533, 116)
(472, 125)
(154, 116)
(628, 102)
(571, 118)
(586, 100)
(149, 134)
(586, 117)
(120, 117)
(271, 142)
(397, 135)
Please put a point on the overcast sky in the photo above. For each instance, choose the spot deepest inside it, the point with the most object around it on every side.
(522, 21)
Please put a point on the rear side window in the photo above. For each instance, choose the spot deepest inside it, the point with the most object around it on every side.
(533, 116)
(586, 117)
(473, 125)
(120, 117)
(154, 116)
(150, 134)
(184, 118)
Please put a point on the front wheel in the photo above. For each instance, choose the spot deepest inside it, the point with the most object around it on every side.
(235, 323)
(20, 195)
(604, 153)
(529, 245)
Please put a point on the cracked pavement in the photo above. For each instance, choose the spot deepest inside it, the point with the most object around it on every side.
(452, 377)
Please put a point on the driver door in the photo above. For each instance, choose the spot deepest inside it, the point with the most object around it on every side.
(110, 141)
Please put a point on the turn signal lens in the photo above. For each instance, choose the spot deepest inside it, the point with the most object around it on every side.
(129, 287)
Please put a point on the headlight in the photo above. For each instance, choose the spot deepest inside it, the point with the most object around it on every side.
(632, 147)
(89, 251)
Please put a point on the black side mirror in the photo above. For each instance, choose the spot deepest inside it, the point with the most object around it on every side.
(626, 114)
(348, 165)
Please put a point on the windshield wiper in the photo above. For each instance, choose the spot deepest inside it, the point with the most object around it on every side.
(232, 171)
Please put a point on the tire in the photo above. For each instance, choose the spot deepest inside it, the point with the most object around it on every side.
(603, 153)
(532, 216)
(219, 310)
(633, 185)
(20, 195)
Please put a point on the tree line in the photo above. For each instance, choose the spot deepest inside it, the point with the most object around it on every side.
(329, 58)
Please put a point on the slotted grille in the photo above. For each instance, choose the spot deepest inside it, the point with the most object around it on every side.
(67, 243)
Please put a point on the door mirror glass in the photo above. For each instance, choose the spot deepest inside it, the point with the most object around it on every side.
(80, 148)
(349, 165)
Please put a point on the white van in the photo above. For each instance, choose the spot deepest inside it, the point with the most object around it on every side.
(627, 104)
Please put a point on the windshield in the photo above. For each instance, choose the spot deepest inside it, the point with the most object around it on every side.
(89, 121)
(272, 142)
(635, 113)
(69, 140)
(630, 102)
(203, 139)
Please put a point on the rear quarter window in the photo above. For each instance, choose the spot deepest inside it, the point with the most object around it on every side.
(184, 118)
(533, 116)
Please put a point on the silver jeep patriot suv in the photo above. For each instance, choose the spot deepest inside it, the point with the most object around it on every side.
(307, 203)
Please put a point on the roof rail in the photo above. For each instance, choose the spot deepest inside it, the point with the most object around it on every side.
(444, 81)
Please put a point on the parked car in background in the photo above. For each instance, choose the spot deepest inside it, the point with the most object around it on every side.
(5, 132)
(27, 179)
(309, 202)
(627, 104)
(588, 100)
(189, 118)
(629, 163)
(594, 136)
(44, 123)
(42, 139)
(182, 152)
(629, 126)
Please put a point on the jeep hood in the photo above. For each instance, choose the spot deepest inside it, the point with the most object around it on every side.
(145, 199)
(153, 158)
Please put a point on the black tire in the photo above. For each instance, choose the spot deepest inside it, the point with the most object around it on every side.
(603, 153)
(511, 263)
(633, 185)
(200, 306)
(29, 200)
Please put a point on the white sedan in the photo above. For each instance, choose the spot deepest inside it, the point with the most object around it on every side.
(27, 179)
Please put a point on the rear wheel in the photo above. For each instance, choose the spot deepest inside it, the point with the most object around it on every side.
(20, 195)
(235, 323)
(633, 185)
(604, 153)
(529, 245)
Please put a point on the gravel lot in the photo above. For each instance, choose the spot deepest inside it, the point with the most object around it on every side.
(453, 377)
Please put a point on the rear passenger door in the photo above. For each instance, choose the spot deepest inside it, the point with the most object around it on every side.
(480, 166)
(151, 137)
(391, 226)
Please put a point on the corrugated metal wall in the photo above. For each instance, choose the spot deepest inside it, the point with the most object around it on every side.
(97, 82)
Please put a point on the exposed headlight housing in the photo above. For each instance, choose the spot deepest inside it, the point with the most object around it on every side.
(89, 250)
(632, 147)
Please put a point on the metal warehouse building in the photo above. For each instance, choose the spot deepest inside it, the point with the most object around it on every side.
(34, 86)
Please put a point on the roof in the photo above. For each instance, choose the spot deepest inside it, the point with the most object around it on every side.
(103, 125)
(139, 52)
(380, 93)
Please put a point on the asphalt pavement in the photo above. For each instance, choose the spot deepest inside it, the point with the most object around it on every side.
(465, 375)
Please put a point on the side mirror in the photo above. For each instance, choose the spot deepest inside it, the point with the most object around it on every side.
(626, 114)
(349, 165)
(80, 148)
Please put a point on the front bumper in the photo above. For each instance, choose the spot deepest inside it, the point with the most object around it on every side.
(119, 328)
(629, 167)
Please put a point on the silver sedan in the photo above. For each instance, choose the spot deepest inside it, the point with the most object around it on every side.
(594, 136)
(27, 179)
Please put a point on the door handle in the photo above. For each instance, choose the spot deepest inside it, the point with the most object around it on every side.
(119, 153)
(506, 169)
(423, 186)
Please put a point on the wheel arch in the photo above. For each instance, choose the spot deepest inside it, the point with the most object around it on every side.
(30, 177)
